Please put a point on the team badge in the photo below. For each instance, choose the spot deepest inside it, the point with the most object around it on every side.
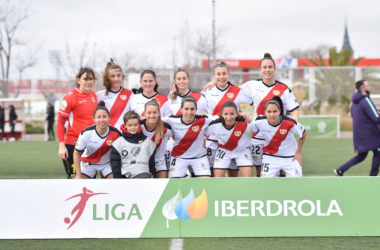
(135, 151)
(123, 97)
(276, 92)
(93, 99)
(237, 133)
(230, 95)
(109, 143)
(195, 128)
(283, 131)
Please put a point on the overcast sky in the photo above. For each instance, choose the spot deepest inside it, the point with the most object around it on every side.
(250, 28)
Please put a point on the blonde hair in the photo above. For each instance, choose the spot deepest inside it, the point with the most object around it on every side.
(159, 128)
(175, 94)
(106, 81)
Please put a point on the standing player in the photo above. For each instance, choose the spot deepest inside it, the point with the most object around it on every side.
(216, 96)
(231, 131)
(92, 151)
(181, 82)
(259, 92)
(188, 151)
(76, 107)
(149, 91)
(281, 151)
(158, 131)
(114, 95)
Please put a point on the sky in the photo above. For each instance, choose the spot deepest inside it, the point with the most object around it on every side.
(153, 28)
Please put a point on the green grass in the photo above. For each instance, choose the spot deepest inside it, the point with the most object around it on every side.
(39, 160)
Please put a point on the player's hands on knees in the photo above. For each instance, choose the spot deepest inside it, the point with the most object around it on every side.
(298, 157)
(62, 153)
(209, 85)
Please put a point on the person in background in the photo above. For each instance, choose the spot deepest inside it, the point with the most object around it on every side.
(50, 120)
(2, 123)
(366, 129)
(12, 121)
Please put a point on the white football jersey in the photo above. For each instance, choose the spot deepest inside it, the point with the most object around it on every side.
(216, 97)
(138, 102)
(188, 138)
(260, 93)
(161, 147)
(234, 139)
(96, 148)
(173, 107)
(279, 140)
(118, 103)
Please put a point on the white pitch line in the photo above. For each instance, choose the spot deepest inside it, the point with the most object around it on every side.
(176, 244)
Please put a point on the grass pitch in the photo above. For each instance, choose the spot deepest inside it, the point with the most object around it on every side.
(39, 160)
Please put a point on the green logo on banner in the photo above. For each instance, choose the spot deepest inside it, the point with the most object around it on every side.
(186, 208)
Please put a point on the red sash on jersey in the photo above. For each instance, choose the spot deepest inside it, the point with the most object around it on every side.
(161, 99)
(278, 137)
(196, 96)
(190, 136)
(236, 134)
(119, 105)
(277, 90)
(230, 95)
(154, 137)
(103, 149)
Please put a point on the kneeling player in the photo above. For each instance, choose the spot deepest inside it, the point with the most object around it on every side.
(231, 131)
(92, 150)
(281, 151)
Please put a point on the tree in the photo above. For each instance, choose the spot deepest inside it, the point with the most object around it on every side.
(321, 49)
(11, 18)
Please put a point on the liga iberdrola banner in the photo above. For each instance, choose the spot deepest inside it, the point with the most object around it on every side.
(195, 207)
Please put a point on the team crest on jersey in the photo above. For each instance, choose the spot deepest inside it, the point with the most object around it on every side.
(237, 133)
(283, 131)
(135, 151)
(123, 97)
(195, 128)
(276, 92)
(109, 143)
(93, 99)
(230, 95)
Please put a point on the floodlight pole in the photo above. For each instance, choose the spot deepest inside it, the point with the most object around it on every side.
(213, 34)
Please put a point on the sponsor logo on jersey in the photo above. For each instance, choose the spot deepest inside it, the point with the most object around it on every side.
(230, 95)
(93, 99)
(195, 128)
(63, 105)
(237, 133)
(109, 143)
(123, 97)
(135, 151)
(124, 153)
(283, 131)
(276, 92)
(83, 101)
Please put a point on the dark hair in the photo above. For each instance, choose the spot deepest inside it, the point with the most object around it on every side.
(130, 115)
(189, 99)
(101, 106)
(278, 102)
(106, 81)
(175, 94)
(12, 107)
(219, 65)
(148, 71)
(83, 71)
(359, 84)
(227, 104)
(267, 56)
